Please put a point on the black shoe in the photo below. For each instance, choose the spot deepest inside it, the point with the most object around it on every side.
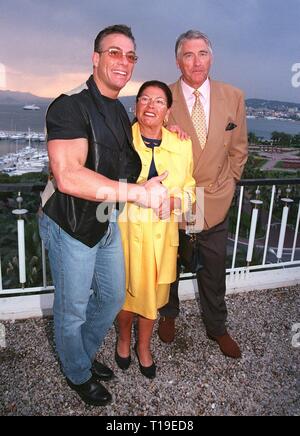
(147, 371)
(91, 392)
(102, 372)
(122, 362)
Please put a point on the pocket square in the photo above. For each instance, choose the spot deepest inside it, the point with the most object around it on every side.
(230, 126)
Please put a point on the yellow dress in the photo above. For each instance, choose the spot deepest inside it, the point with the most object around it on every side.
(151, 245)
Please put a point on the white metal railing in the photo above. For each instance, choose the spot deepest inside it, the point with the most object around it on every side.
(21, 254)
(280, 264)
(281, 258)
(286, 201)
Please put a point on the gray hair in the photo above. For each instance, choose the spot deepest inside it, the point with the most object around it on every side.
(191, 34)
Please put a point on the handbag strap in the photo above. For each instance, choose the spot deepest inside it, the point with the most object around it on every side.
(189, 217)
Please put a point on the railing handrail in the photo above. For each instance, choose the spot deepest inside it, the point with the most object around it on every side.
(22, 187)
(254, 182)
(35, 187)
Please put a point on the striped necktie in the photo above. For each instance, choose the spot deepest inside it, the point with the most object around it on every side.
(198, 119)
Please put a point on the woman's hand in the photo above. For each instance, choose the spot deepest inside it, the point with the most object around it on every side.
(167, 207)
(182, 135)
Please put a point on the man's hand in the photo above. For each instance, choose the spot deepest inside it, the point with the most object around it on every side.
(182, 135)
(152, 193)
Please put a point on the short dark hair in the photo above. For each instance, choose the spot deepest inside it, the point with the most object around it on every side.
(117, 28)
(157, 84)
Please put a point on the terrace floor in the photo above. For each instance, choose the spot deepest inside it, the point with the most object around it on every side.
(193, 377)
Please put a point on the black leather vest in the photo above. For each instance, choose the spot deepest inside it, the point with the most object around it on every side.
(106, 156)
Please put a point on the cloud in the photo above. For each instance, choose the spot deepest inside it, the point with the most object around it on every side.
(44, 86)
(255, 42)
(2, 76)
(131, 88)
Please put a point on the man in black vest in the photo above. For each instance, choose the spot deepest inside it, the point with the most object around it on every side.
(90, 151)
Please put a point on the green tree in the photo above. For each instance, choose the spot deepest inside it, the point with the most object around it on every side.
(281, 138)
(253, 139)
(252, 169)
(296, 139)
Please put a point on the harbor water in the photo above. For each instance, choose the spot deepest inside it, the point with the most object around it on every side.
(14, 119)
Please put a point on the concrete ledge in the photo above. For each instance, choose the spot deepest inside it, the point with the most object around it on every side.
(26, 306)
(246, 282)
(32, 306)
(260, 280)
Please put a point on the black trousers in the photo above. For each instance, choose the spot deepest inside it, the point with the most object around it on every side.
(211, 280)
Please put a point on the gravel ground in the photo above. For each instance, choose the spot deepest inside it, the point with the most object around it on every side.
(193, 377)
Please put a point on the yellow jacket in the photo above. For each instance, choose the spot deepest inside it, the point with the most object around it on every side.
(136, 223)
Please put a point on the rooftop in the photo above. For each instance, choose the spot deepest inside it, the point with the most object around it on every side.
(193, 377)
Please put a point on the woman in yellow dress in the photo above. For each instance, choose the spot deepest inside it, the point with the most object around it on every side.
(150, 240)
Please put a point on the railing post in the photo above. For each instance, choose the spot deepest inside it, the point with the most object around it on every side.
(253, 226)
(269, 224)
(238, 227)
(296, 234)
(21, 240)
(44, 266)
(1, 286)
(285, 213)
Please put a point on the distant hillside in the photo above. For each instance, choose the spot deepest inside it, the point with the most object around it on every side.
(128, 102)
(270, 104)
(12, 97)
(250, 102)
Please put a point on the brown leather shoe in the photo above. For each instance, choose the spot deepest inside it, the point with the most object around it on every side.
(227, 345)
(166, 329)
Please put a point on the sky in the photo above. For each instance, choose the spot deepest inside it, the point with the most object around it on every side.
(46, 45)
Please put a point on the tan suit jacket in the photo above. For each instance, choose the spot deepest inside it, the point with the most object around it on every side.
(220, 164)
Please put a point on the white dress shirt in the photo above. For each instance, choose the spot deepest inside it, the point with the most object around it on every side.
(204, 97)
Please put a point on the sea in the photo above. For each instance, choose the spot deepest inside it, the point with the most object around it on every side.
(13, 118)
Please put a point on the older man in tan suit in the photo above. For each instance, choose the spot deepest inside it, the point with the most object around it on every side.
(213, 114)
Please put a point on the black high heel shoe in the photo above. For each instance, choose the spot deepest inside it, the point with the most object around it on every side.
(122, 362)
(147, 371)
